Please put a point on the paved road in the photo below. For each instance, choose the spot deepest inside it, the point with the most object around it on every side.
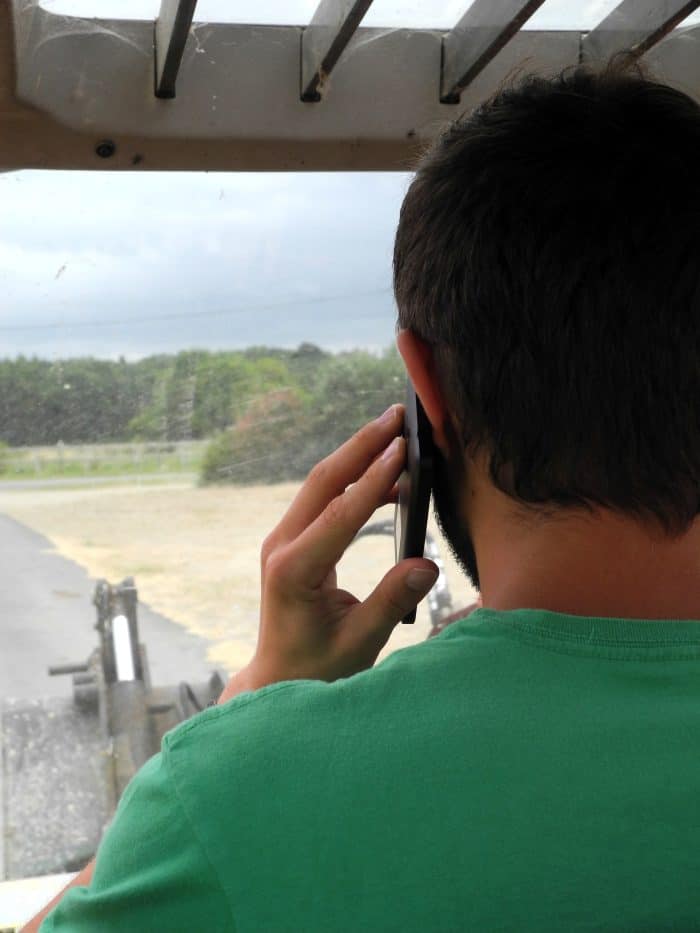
(47, 617)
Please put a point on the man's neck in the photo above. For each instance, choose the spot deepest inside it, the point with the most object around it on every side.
(600, 565)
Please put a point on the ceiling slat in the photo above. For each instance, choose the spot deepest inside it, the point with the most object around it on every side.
(480, 34)
(171, 30)
(324, 39)
(635, 25)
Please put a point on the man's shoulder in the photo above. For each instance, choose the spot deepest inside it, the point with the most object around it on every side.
(279, 710)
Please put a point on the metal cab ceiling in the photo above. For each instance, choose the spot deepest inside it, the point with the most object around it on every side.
(329, 95)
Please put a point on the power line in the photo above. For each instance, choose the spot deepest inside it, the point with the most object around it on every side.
(189, 315)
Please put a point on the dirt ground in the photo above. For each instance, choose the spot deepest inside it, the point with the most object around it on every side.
(194, 553)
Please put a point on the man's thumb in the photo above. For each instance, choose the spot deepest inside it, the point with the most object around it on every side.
(399, 593)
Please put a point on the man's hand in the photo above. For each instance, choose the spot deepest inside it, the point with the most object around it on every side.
(308, 627)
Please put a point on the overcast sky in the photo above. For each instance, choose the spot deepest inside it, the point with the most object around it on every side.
(112, 264)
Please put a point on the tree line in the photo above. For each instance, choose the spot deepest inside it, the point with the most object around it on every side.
(270, 413)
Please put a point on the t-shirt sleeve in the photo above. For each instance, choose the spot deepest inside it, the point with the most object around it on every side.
(151, 871)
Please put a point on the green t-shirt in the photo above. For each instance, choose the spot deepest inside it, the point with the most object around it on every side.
(524, 771)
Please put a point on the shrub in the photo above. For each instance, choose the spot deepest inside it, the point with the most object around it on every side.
(269, 443)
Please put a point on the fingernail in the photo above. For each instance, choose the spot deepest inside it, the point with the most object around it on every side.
(389, 415)
(391, 449)
(420, 581)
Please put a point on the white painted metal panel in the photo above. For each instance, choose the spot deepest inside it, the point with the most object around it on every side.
(324, 40)
(480, 34)
(170, 37)
(21, 900)
(243, 81)
(75, 84)
(635, 25)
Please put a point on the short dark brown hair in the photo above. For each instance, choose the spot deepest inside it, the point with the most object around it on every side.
(549, 249)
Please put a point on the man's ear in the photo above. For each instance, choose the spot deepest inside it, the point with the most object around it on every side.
(420, 364)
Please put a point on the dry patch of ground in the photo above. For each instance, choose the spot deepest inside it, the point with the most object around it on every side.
(195, 553)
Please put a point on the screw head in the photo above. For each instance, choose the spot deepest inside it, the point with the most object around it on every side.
(105, 149)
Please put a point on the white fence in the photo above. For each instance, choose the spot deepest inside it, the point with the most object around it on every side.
(84, 459)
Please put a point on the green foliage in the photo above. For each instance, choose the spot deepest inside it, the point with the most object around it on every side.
(273, 413)
(150, 423)
(44, 402)
(4, 449)
(268, 444)
(353, 388)
(284, 433)
(202, 393)
(222, 380)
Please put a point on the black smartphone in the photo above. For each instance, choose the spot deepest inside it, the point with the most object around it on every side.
(415, 485)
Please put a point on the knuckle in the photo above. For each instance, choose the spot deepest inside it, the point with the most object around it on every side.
(319, 473)
(395, 607)
(276, 566)
(377, 474)
(268, 548)
(367, 430)
(376, 469)
(367, 435)
(335, 511)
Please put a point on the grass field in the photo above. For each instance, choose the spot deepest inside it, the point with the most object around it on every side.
(89, 460)
(194, 552)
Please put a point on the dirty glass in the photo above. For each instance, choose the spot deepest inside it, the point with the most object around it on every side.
(417, 14)
(436, 14)
(177, 351)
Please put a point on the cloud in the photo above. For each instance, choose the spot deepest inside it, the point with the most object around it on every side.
(81, 249)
